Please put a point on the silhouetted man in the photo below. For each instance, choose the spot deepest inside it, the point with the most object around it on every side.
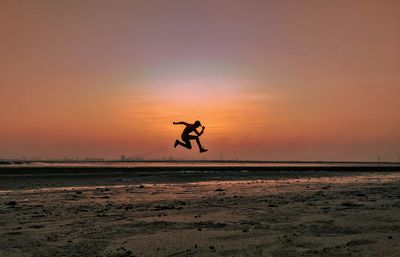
(186, 137)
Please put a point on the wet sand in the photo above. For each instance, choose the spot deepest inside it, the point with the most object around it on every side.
(306, 213)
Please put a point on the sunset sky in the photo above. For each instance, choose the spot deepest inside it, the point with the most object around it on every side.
(270, 80)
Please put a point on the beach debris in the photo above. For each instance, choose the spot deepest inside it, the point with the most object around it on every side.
(348, 204)
(360, 242)
(38, 216)
(121, 252)
(52, 238)
(128, 207)
(37, 226)
(164, 207)
(71, 197)
(123, 180)
(11, 203)
(219, 190)
(180, 202)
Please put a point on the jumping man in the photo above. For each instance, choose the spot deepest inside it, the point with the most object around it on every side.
(186, 137)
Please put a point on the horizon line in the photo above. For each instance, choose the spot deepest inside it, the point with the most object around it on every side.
(89, 160)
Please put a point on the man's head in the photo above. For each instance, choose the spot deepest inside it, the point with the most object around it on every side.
(197, 123)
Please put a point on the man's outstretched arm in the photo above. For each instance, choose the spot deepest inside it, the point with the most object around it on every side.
(181, 123)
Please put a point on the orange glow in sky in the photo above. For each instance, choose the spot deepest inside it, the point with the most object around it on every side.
(270, 80)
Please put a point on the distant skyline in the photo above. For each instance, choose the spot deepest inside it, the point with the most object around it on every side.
(270, 80)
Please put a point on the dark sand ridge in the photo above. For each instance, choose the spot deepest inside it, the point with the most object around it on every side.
(309, 213)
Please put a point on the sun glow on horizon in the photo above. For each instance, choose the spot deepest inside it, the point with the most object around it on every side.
(268, 79)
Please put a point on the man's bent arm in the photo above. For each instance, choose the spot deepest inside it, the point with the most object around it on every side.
(199, 133)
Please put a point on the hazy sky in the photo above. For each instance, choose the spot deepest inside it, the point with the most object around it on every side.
(287, 80)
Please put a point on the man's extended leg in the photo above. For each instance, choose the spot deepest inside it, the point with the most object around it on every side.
(202, 150)
(187, 143)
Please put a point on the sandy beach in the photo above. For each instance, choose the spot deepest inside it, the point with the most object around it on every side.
(311, 213)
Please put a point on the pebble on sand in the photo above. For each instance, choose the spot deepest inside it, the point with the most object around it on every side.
(11, 203)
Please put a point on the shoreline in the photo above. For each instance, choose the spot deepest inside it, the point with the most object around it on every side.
(37, 177)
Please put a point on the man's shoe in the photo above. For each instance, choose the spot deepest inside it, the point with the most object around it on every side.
(176, 143)
(203, 150)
